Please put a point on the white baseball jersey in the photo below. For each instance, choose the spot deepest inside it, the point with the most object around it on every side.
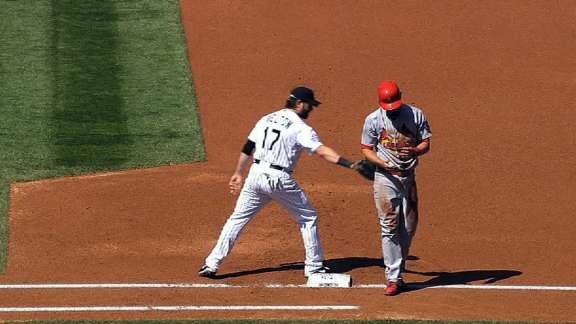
(280, 138)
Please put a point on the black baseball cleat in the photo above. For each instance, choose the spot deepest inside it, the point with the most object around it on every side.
(207, 272)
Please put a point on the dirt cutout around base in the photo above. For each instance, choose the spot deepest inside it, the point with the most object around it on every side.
(496, 80)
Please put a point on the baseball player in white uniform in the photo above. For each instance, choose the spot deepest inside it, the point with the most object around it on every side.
(394, 135)
(276, 143)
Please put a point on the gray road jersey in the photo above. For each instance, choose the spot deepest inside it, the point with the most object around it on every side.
(408, 129)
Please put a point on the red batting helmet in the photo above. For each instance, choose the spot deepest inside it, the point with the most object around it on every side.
(389, 95)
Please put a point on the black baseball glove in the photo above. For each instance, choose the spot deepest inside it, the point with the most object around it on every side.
(365, 168)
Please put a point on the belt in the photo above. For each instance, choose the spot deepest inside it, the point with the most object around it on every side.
(273, 166)
(396, 172)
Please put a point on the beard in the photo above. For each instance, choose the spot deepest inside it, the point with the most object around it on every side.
(304, 114)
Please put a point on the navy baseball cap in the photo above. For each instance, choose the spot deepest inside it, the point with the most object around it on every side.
(305, 94)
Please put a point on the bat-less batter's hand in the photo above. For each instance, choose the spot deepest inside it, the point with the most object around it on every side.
(235, 183)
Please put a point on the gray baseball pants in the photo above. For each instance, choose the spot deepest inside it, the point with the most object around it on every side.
(396, 200)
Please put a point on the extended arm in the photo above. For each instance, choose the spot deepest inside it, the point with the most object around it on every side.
(363, 167)
(330, 155)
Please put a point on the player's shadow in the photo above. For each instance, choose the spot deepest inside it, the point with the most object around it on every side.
(437, 278)
(341, 265)
(282, 267)
(445, 278)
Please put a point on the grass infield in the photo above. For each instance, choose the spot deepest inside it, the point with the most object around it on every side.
(89, 86)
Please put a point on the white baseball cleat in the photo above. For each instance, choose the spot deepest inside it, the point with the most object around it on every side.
(322, 269)
(207, 272)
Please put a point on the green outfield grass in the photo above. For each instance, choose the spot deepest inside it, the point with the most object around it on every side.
(89, 86)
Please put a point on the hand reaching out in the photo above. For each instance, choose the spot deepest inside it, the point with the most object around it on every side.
(365, 168)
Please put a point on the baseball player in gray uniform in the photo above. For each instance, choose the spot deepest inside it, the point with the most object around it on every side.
(393, 138)
(274, 145)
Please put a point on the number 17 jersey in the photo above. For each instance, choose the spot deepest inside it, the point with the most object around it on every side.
(281, 136)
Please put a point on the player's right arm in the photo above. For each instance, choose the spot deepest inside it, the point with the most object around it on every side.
(370, 135)
(371, 156)
(236, 180)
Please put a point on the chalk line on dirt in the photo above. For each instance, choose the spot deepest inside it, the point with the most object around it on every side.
(215, 285)
(175, 308)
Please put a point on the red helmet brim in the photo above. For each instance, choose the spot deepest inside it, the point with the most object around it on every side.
(391, 105)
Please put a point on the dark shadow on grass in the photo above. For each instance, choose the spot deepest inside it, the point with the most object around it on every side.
(89, 127)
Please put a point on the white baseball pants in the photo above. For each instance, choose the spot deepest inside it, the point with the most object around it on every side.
(396, 200)
(262, 186)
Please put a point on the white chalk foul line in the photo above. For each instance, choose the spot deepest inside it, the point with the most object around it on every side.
(177, 308)
(196, 285)
(117, 285)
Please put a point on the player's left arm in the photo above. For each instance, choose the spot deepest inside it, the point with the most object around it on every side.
(330, 155)
(424, 146)
(310, 140)
(327, 153)
(417, 150)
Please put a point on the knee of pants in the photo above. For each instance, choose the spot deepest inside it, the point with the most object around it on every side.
(391, 237)
(389, 231)
(412, 221)
(389, 224)
(241, 217)
(389, 216)
(307, 219)
(304, 214)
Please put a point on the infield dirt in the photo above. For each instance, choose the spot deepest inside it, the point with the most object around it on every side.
(496, 80)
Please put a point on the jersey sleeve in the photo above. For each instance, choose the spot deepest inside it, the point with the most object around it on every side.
(253, 136)
(369, 134)
(309, 139)
(424, 128)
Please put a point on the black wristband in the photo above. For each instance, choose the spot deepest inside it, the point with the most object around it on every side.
(343, 162)
(248, 147)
